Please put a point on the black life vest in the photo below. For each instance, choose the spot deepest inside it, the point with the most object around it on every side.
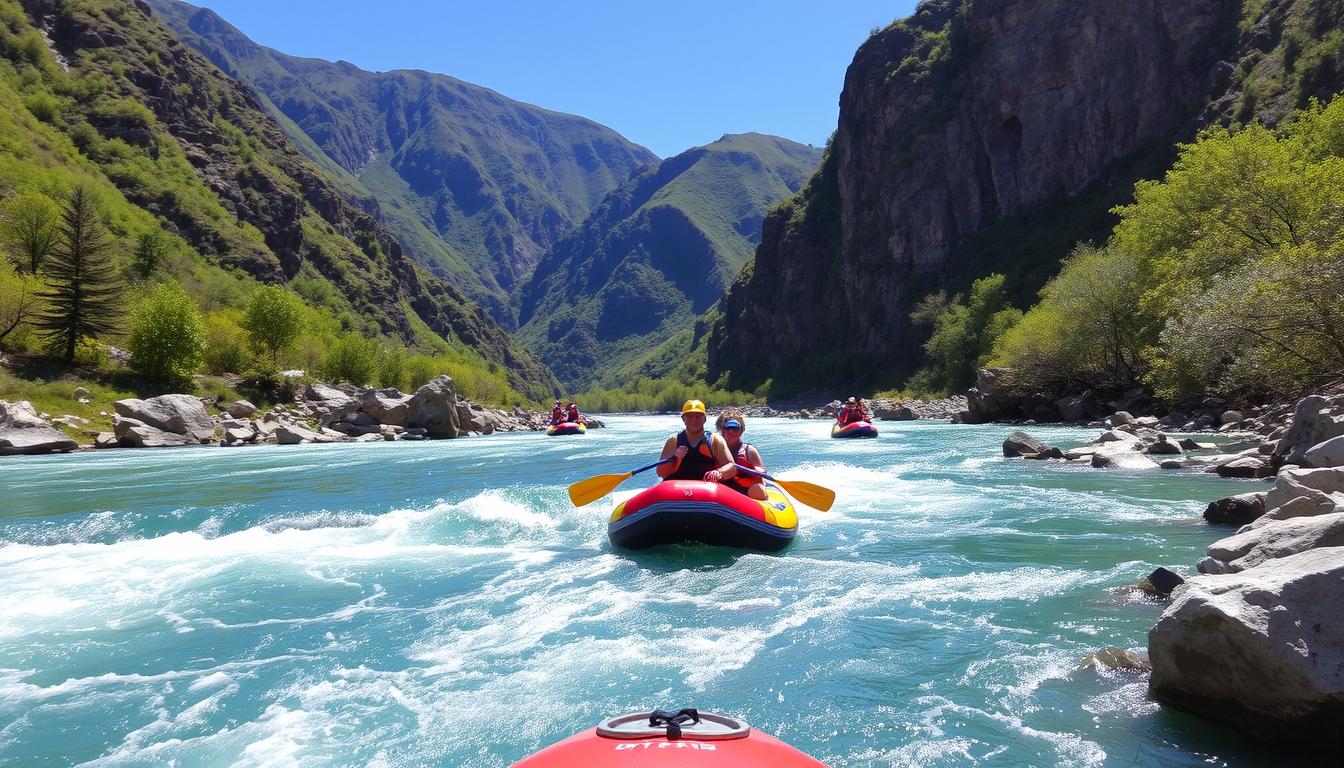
(699, 460)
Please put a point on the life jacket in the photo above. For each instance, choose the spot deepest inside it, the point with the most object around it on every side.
(742, 481)
(557, 415)
(698, 461)
(845, 416)
(574, 415)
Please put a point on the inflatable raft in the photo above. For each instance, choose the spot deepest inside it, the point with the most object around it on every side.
(854, 429)
(684, 739)
(677, 511)
(566, 428)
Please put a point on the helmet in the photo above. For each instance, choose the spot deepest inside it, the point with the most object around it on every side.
(692, 406)
(850, 400)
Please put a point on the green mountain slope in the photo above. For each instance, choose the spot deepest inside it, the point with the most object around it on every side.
(657, 253)
(476, 186)
(97, 92)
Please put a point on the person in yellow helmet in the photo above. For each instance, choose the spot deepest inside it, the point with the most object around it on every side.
(697, 454)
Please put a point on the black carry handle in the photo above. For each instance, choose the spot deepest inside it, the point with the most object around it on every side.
(673, 720)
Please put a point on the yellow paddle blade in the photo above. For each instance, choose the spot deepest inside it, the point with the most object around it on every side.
(593, 488)
(811, 494)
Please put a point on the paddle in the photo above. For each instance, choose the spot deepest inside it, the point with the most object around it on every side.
(811, 494)
(593, 488)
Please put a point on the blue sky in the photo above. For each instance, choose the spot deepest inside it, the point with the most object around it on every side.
(669, 75)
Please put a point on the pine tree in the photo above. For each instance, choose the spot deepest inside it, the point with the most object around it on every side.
(83, 293)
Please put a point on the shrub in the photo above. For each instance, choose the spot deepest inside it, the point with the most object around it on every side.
(273, 319)
(351, 359)
(167, 338)
(225, 343)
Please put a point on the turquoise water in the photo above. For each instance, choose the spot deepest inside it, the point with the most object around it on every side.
(442, 603)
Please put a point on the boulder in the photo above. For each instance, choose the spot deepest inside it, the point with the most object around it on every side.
(241, 409)
(1019, 443)
(1280, 538)
(1312, 424)
(433, 408)
(388, 406)
(1231, 417)
(1261, 650)
(293, 434)
(106, 440)
(1304, 482)
(1328, 453)
(22, 432)
(1119, 455)
(176, 414)
(1161, 445)
(133, 433)
(1246, 467)
(1118, 436)
(1299, 506)
(1164, 581)
(1188, 444)
(1235, 510)
(1121, 418)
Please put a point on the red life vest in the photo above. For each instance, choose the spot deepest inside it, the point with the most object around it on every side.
(742, 481)
(574, 415)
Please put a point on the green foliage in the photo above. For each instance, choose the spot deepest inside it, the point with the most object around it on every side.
(226, 343)
(1086, 330)
(28, 222)
(151, 249)
(167, 339)
(351, 359)
(273, 319)
(1225, 276)
(964, 332)
(644, 394)
(392, 368)
(19, 304)
(83, 293)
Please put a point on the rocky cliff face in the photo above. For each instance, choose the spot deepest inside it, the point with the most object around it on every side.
(964, 116)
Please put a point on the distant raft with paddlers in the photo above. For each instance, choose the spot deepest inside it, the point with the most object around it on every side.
(566, 428)
(854, 429)
(674, 739)
(680, 511)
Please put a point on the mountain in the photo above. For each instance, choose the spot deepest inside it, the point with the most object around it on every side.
(477, 186)
(656, 253)
(990, 136)
(99, 93)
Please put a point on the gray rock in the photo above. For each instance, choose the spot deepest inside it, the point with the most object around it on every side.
(1121, 418)
(106, 440)
(133, 433)
(1019, 443)
(294, 434)
(1172, 464)
(1261, 650)
(23, 433)
(1236, 510)
(1328, 453)
(1163, 446)
(1231, 417)
(1119, 455)
(1247, 467)
(1280, 538)
(388, 406)
(1312, 424)
(433, 408)
(176, 414)
(241, 409)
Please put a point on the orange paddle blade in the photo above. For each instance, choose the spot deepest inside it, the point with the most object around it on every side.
(813, 495)
(591, 489)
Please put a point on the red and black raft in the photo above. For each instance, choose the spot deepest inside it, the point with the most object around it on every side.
(681, 739)
(681, 511)
(566, 428)
(854, 429)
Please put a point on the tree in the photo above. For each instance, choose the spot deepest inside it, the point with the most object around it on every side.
(29, 223)
(1086, 330)
(150, 250)
(167, 341)
(964, 332)
(273, 319)
(83, 293)
(18, 299)
(350, 359)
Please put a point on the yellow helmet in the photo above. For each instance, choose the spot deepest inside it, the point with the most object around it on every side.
(692, 406)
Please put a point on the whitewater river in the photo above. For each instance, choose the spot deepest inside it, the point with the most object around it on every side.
(442, 603)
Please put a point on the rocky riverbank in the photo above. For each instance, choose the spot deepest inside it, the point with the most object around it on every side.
(322, 413)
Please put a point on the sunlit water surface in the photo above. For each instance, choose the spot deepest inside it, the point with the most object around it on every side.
(442, 603)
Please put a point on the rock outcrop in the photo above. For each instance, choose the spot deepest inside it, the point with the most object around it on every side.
(23, 432)
(1261, 650)
(182, 415)
(1019, 104)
